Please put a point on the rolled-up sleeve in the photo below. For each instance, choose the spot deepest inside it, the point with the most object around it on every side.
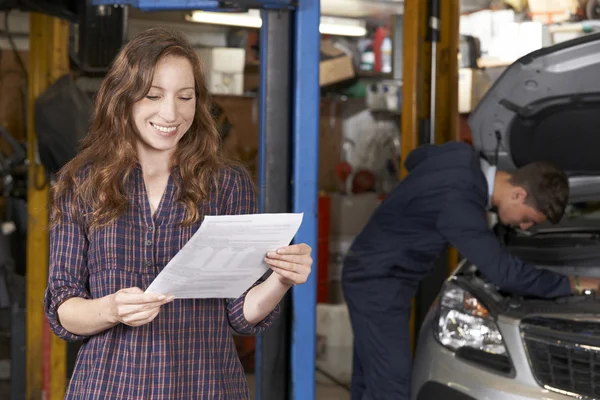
(68, 273)
(241, 199)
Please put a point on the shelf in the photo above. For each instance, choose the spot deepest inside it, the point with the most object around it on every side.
(374, 75)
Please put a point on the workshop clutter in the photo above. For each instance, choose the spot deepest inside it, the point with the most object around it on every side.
(336, 65)
(473, 83)
(552, 11)
(341, 217)
(224, 67)
(385, 95)
(334, 343)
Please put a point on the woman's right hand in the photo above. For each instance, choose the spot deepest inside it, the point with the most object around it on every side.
(134, 307)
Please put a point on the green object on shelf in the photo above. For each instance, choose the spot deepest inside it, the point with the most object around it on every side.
(357, 90)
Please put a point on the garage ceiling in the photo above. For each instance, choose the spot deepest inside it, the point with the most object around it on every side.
(378, 8)
(338, 8)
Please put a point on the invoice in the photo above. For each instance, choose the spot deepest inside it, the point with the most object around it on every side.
(226, 255)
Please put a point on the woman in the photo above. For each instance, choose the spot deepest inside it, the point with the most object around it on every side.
(148, 170)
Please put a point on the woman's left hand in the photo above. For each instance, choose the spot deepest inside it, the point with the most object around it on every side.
(292, 264)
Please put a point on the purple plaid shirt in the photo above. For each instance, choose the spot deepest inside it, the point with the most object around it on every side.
(187, 352)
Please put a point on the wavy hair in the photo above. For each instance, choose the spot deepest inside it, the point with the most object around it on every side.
(108, 152)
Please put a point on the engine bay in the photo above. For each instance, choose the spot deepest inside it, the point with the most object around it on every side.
(519, 306)
(571, 248)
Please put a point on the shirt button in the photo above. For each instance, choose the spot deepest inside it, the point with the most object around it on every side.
(148, 242)
(148, 263)
(150, 228)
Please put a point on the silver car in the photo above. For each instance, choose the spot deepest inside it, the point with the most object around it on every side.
(478, 342)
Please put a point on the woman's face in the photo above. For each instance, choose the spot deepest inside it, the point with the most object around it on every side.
(167, 112)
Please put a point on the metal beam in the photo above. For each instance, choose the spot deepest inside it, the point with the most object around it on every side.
(272, 355)
(206, 5)
(447, 73)
(397, 46)
(417, 99)
(305, 183)
(46, 354)
(447, 76)
(413, 77)
(445, 123)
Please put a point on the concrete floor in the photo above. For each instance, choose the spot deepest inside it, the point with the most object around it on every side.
(324, 391)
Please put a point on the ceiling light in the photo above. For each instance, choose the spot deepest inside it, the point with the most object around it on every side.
(252, 19)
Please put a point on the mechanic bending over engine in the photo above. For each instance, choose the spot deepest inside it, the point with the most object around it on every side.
(443, 201)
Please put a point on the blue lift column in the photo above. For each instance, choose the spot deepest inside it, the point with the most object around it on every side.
(289, 132)
(305, 186)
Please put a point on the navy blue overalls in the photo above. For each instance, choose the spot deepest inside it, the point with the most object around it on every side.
(443, 201)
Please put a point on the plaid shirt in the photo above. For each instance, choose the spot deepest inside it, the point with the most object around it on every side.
(187, 352)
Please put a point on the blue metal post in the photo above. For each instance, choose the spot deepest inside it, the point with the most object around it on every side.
(206, 5)
(273, 346)
(305, 129)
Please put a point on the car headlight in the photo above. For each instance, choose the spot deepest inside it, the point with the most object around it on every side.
(465, 322)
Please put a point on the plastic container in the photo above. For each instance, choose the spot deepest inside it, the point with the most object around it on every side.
(334, 342)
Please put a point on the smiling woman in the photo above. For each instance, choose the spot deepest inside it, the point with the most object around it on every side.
(167, 111)
(147, 172)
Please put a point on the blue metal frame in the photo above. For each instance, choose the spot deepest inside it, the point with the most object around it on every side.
(206, 5)
(305, 131)
(262, 90)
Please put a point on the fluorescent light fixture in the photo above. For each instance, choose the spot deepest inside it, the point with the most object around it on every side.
(251, 19)
(342, 26)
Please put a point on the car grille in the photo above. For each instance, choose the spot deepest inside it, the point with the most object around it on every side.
(564, 355)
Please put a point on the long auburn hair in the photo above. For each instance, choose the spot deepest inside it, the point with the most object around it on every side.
(108, 152)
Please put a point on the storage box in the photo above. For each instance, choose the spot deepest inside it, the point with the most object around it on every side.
(224, 68)
(472, 85)
(336, 66)
(552, 11)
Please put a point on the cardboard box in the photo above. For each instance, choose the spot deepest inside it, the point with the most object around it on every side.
(552, 11)
(336, 66)
(224, 69)
(472, 85)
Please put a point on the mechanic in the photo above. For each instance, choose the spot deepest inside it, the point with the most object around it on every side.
(443, 201)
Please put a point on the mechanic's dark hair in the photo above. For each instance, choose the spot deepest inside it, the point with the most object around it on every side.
(547, 188)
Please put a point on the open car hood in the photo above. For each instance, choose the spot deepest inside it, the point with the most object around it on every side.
(546, 107)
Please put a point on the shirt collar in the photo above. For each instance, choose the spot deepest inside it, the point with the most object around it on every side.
(489, 171)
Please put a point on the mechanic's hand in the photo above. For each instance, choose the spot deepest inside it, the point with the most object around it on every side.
(133, 307)
(292, 264)
(585, 284)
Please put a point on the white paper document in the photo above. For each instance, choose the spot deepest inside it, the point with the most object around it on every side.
(226, 255)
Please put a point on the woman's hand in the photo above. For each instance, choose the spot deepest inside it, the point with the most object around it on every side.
(292, 264)
(134, 307)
